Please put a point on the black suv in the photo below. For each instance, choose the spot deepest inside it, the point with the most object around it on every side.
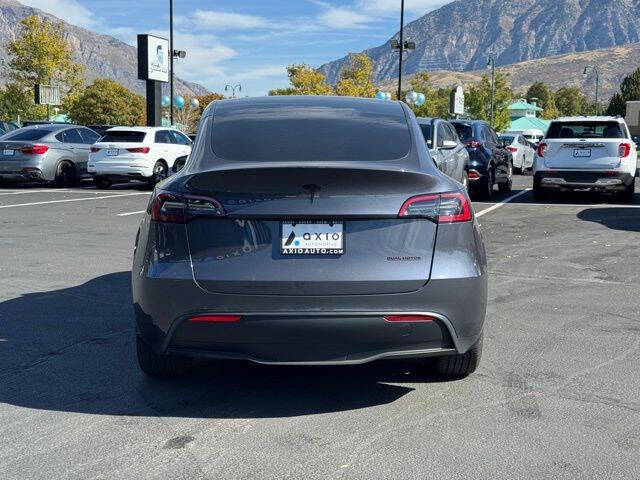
(490, 162)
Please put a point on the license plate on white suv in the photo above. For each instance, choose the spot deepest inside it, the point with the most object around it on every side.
(582, 152)
(312, 238)
(112, 152)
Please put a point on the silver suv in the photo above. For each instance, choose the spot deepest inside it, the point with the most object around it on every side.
(591, 153)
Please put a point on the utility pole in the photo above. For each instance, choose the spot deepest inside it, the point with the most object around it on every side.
(491, 63)
(171, 60)
(401, 49)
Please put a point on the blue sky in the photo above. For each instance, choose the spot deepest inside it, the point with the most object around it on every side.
(246, 41)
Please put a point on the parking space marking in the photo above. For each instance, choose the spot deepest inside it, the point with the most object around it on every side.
(22, 192)
(130, 213)
(73, 200)
(503, 202)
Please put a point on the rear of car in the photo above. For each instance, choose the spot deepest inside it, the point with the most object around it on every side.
(520, 150)
(586, 153)
(123, 154)
(329, 238)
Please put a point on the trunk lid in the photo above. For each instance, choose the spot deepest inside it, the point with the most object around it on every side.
(583, 153)
(242, 253)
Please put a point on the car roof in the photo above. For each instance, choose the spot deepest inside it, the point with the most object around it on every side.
(138, 129)
(51, 126)
(590, 118)
(469, 122)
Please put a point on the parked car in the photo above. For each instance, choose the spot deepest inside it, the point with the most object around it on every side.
(490, 163)
(533, 136)
(594, 153)
(7, 127)
(136, 153)
(303, 249)
(51, 152)
(447, 151)
(101, 129)
(521, 150)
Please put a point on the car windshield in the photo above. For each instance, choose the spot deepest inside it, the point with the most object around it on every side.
(310, 130)
(585, 129)
(28, 134)
(506, 140)
(426, 133)
(465, 132)
(123, 136)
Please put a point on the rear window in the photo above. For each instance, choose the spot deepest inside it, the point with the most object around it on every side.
(585, 130)
(123, 136)
(506, 139)
(310, 130)
(30, 134)
(426, 133)
(465, 132)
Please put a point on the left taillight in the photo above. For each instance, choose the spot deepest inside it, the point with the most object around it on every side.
(170, 207)
(35, 149)
(95, 149)
(452, 207)
(512, 149)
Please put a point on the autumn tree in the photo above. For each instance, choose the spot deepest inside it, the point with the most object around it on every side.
(356, 78)
(16, 103)
(304, 80)
(106, 102)
(478, 100)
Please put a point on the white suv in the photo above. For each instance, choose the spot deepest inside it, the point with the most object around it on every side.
(136, 153)
(594, 153)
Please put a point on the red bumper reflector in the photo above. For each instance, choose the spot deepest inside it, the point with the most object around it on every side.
(409, 318)
(215, 318)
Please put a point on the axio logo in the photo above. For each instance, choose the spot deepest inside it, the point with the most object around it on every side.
(292, 237)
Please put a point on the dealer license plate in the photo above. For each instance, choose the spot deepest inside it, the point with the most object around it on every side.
(312, 238)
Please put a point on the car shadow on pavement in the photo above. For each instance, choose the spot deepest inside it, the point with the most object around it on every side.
(626, 219)
(73, 350)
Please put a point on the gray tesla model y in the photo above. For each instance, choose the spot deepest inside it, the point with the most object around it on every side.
(309, 231)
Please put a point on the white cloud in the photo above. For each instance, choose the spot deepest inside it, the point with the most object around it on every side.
(393, 6)
(266, 71)
(71, 11)
(343, 18)
(228, 21)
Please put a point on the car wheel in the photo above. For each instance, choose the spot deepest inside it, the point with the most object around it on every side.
(160, 172)
(519, 170)
(628, 195)
(508, 185)
(156, 365)
(489, 178)
(459, 365)
(102, 183)
(65, 174)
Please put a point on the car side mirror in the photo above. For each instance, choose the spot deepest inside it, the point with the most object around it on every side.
(449, 145)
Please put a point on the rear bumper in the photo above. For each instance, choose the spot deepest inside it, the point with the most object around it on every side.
(19, 176)
(121, 172)
(576, 180)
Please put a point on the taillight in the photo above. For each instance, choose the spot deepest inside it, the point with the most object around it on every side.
(450, 207)
(35, 149)
(215, 318)
(95, 149)
(409, 318)
(512, 149)
(177, 208)
(138, 149)
(473, 144)
(542, 150)
(624, 150)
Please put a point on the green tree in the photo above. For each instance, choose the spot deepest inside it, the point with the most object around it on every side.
(544, 99)
(205, 100)
(478, 100)
(617, 105)
(629, 91)
(16, 103)
(570, 101)
(356, 79)
(107, 102)
(304, 80)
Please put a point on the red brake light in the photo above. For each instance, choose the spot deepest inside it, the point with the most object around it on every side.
(138, 149)
(450, 207)
(542, 150)
(512, 149)
(473, 144)
(35, 149)
(176, 208)
(409, 318)
(215, 318)
(624, 150)
(95, 149)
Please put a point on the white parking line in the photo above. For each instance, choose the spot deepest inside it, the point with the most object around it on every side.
(130, 213)
(503, 202)
(22, 192)
(72, 200)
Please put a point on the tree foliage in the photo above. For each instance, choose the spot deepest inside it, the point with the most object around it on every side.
(304, 80)
(16, 103)
(544, 98)
(629, 91)
(570, 101)
(478, 100)
(437, 100)
(106, 102)
(356, 78)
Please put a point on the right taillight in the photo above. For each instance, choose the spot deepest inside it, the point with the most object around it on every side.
(624, 150)
(542, 150)
(452, 207)
(178, 208)
(95, 149)
(35, 149)
(138, 149)
(512, 149)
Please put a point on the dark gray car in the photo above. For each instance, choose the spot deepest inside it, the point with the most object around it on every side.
(304, 231)
(49, 152)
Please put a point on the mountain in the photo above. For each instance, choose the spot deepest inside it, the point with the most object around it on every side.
(102, 55)
(557, 71)
(460, 35)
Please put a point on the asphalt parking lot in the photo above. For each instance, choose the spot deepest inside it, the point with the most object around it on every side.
(557, 394)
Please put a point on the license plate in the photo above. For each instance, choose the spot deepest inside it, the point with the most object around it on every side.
(312, 238)
(112, 152)
(8, 152)
(582, 152)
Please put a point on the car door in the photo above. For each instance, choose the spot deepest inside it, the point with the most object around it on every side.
(446, 155)
(435, 151)
(70, 145)
(182, 143)
(459, 155)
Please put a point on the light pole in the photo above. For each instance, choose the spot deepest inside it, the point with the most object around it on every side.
(233, 89)
(401, 48)
(597, 73)
(492, 64)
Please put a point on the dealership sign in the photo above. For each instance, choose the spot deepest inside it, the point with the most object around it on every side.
(46, 95)
(456, 101)
(153, 58)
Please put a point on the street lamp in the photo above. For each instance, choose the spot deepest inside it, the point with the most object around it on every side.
(233, 89)
(597, 73)
(491, 63)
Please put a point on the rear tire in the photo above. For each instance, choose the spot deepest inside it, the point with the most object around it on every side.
(160, 172)
(459, 365)
(156, 365)
(65, 174)
(508, 185)
(628, 195)
(486, 188)
(539, 193)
